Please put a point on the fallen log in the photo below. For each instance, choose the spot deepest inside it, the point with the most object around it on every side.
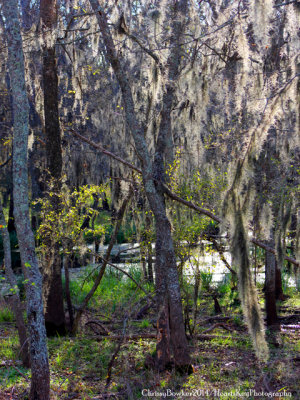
(218, 325)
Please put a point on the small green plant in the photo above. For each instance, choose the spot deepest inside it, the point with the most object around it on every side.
(6, 315)
(145, 323)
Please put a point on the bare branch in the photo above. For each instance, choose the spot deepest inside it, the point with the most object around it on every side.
(104, 151)
(287, 3)
(146, 50)
(6, 162)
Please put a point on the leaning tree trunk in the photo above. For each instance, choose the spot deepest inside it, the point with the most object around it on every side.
(52, 279)
(171, 332)
(40, 381)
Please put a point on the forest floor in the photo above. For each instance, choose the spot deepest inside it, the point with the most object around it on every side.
(102, 363)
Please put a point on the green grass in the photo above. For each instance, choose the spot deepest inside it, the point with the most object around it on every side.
(6, 315)
(79, 364)
(114, 292)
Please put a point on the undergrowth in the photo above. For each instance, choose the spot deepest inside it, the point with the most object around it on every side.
(79, 365)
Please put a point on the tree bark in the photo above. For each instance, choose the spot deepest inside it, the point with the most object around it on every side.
(149, 249)
(68, 263)
(270, 292)
(278, 283)
(40, 381)
(52, 279)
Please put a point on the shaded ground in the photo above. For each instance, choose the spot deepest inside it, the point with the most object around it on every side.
(82, 367)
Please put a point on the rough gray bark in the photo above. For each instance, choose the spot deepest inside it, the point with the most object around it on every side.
(27, 17)
(171, 332)
(40, 381)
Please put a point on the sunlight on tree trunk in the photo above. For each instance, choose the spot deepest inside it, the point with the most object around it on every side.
(40, 381)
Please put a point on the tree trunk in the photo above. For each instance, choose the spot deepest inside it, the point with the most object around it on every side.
(68, 263)
(150, 263)
(40, 381)
(149, 248)
(52, 279)
(53, 291)
(278, 283)
(270, 297)
(171, 333)
(15, 301)
(11, 223)
(170, 320)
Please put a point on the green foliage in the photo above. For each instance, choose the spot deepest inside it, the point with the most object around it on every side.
(114, 292)
(229, 294)
(6, 315)
(145, 323)
(206, 279)
(21, 286)
(65, 225)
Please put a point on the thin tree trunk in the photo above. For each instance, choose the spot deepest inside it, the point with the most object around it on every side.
(68, 263)
(270, 296)
(149, 249)
(16, 302)
(150, 263)
(11, 223)
(98, 279)
(40, 380)
(145, 276)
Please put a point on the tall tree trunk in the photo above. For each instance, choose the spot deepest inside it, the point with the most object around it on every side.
(40, 381)
(52, 280)
(164, 155)
(270, 294)
(171, 333)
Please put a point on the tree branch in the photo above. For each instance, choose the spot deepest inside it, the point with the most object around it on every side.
(146, 50)
(6, 162)
(287, 3)
(104, 151)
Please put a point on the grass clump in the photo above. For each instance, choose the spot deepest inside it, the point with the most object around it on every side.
(6, 315)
